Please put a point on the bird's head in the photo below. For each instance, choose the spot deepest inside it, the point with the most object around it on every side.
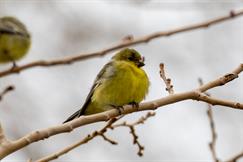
(129, 55)
(15, 25)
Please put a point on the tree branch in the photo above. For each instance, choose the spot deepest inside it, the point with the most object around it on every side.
(129, 41)
(5, 91)
(212, 144)
(167, 81)
(83, 141)
(236, 157)
(197, 94)
(133, 132)
(2, 135)
(101, 132)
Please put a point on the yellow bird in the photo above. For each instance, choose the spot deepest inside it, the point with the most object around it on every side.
(121, 81)
(14, 40)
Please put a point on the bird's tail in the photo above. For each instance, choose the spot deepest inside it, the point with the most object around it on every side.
(75, 115)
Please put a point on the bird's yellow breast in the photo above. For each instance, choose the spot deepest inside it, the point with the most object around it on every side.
(13, 47)
(128, 84)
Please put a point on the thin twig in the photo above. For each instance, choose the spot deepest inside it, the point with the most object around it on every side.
(2, 135)
(133, 132)
(167, 81)
(236, 157)
(108, 139)
(127, 41)
(89, 137)
(212, 144)
(83, 141)
(135, 140)
(5, 91)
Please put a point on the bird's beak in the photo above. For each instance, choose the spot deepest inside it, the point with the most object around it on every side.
(141, 62)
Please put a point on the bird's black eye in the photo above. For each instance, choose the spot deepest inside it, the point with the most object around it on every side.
(130, 58)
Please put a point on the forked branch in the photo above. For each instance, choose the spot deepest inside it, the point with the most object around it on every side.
(101, 132)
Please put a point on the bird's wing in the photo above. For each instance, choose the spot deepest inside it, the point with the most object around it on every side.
(106, 72)
(8, 28)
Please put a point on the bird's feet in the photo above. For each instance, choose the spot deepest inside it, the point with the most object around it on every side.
(135, 105)
(120, 109)
(14, 65)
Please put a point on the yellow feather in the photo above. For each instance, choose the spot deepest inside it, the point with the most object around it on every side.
(15, 40)
(129, 84)
(13, 47)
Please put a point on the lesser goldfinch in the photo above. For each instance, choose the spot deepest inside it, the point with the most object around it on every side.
(15, 40)
(121, 81)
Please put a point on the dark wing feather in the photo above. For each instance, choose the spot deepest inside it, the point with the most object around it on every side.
(6, 28)
(13, 27)
(98, 81)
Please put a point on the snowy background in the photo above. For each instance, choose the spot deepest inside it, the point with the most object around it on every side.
(180, 132)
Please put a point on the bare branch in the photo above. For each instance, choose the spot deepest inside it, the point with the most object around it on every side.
(212, 144)
(135, 141)
(133, 132)
(108, 139)
(5, 91)
(197, 94)
(2, 135)
(3, 139)
(83, 141)
(127, 41)
(139, 121)
(236, 157)
(214, 101)
(89, 137)
(167, 81)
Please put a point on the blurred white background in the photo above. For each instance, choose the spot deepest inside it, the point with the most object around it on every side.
(180, 132)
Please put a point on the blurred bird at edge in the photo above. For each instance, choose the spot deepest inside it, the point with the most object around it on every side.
(15, 40)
